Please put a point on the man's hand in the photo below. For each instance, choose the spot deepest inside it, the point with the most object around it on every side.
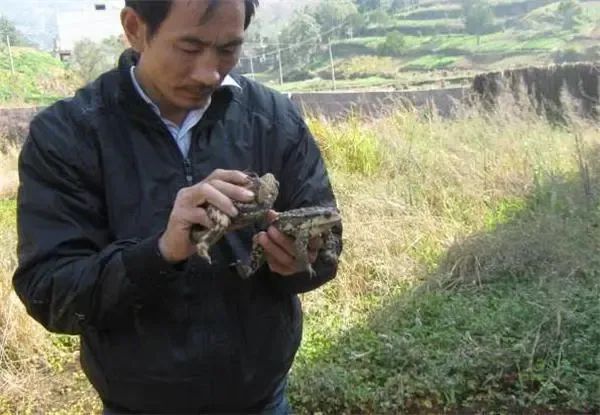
(219, 189)
(280, 251)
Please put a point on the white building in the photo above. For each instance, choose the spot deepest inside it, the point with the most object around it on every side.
(91, 19)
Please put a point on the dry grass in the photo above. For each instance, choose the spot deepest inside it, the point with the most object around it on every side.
(9, 177)
(24, 345)
(419, 184)
(35, 367)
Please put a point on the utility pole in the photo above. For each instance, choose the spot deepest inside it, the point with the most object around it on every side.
(332, 67)
(279, 59)
(12, 64)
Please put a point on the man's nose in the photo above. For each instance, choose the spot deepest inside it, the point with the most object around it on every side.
(206, 69)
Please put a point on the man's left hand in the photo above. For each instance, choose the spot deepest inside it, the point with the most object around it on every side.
(280, 251)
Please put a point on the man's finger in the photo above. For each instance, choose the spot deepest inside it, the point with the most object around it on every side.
(232, 191)
(278, 267)
(198, 216)
(272, 215)
(285, 242)
(274, 251)
(230, 176)
(314, 244)
(205, 192)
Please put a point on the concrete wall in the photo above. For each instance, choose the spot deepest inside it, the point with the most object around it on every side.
(14, 122)
(546, 87)
(375, 103)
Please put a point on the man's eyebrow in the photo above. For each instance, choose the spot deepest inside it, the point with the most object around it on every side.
(199, 42)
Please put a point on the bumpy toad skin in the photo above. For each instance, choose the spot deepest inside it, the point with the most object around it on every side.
(266, 190)
(302, 225)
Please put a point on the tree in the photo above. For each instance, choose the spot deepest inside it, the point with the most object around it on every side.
(479, 17)
(300, 40)
(394, 44)
(366, 5)
(570, 13)
(357, 23)
(254, 34)
(16, 38)
(398, 5)
(330, 14)
(90, 59)
(379, 18)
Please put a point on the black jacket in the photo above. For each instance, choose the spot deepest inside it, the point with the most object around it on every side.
(99, 174)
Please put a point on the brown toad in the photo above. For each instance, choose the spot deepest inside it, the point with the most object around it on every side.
(301, 224)
(266, 190)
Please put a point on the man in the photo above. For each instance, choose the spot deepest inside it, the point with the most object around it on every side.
(111, 182)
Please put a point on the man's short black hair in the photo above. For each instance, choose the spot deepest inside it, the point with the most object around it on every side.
(154, 12)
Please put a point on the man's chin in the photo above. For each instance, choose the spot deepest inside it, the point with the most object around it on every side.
(192, 102)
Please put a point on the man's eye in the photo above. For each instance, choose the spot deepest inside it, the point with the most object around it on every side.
(228, 51)
(189, 51)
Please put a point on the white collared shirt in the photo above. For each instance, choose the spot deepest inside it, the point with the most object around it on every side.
(182, 134)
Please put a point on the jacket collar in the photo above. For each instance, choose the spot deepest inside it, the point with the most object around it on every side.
(137, 107)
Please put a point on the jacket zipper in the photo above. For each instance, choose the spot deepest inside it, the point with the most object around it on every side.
(187, 163)
(189, 173)
(159, 126)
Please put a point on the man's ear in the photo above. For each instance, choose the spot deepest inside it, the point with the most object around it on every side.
(135, 29)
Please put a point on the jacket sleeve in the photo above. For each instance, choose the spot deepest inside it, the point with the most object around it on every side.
(305, 182)
(70, 273)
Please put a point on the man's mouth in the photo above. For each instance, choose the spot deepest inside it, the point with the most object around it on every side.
(199, 93)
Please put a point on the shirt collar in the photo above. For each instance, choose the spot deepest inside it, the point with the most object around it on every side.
(227, 81)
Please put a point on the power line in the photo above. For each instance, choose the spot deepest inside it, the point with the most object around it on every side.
(295, 45)
(265, 44)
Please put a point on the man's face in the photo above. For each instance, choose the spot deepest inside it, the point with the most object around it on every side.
(191, 53)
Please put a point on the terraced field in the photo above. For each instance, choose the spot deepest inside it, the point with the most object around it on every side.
(436, 47)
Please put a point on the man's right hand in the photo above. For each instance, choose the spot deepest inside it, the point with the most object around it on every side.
(219, 189)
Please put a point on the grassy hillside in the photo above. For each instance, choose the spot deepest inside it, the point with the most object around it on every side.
(435, 45)
(39, 78)
(470, 278)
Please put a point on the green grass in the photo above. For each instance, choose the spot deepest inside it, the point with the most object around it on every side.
(591, 11)
(423, 27)
(454, 23)
(440, 7)
(366, 66)
(368, 41)
(431, 62)
(7, 214)
(373, 42)
(371, 82)
(30, 62)
(358, 57)
(505, 346)
(39, 78)
(348, 148)
(430, 53)
(492, 43)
